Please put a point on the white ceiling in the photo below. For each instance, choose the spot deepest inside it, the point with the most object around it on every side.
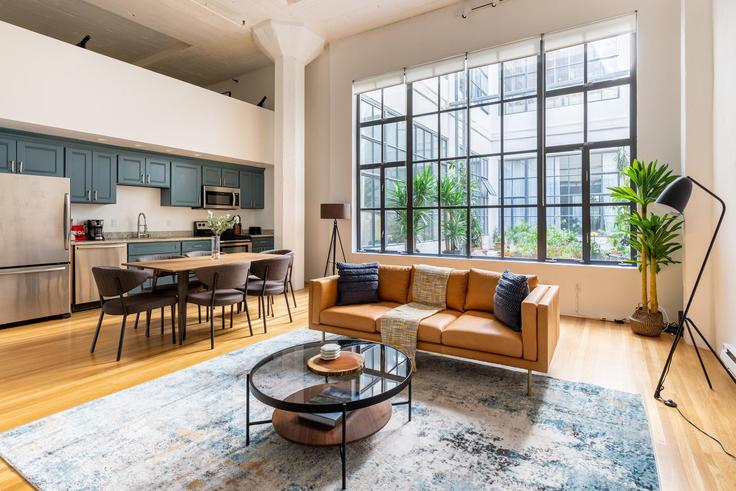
(199, 41)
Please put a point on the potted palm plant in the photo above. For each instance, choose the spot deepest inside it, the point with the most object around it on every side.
(655, 238)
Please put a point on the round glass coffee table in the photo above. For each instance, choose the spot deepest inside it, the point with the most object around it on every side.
(319, 410)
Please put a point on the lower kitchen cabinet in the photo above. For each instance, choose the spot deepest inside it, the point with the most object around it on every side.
(186, 186)
(196, 245)
(261, 244)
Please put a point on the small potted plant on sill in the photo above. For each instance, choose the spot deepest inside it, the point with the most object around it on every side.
(218, 224)
(655, 238)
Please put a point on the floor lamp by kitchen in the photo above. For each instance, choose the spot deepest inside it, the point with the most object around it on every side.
(334, 212)
(676, 196)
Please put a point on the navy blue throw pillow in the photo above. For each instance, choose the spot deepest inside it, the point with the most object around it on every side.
(358, 283)
(511, 291)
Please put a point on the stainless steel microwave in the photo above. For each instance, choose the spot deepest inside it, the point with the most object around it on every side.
(218, 198)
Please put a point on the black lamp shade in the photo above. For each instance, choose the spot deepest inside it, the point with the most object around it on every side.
(677, 194)
(336, 211)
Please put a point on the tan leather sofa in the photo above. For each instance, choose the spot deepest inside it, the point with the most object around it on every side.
(466, 328)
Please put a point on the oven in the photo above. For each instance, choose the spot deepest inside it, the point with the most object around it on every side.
(219, 198)
(230, 246)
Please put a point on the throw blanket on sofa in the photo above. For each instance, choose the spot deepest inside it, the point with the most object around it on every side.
(429, 292)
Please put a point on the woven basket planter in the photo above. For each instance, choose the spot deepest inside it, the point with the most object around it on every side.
(646, 324)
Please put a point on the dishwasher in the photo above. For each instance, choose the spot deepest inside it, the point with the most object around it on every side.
(88, 256)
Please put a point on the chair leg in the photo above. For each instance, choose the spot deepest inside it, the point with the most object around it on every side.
(291, 289)
(263, 299)
(122, 336)
(207, 313)
(148, 323)
(288, 308)
(199, 313)
(247, 315)
(163, 311)
(529, 382)
(270, 305)
(231, 316)
(259, 308)
(97, 332)
(173, 323)
(212, 330)
(137, 315)
(222, 316)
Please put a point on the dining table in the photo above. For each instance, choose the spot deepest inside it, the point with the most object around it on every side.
(182, 267)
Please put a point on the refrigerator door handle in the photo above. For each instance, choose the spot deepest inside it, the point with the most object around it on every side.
(67, 220)
(44, 269)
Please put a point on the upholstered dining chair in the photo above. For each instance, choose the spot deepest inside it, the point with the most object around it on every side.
(199, 307)
(221, 282)
(269, 277)
(154, 277)
(290, 253)
(113, 283)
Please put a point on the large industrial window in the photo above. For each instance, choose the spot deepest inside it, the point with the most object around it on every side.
(502, 156)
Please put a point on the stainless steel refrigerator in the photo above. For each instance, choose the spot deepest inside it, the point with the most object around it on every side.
(34, 247)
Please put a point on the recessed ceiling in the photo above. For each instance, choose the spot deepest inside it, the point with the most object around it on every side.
(198, 41)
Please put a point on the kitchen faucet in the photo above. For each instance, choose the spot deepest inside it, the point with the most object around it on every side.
(144, 233)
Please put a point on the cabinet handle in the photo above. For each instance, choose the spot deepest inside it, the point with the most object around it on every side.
(89, 198)
(94, 196)
(12, 166)
(143, 178)
(20, 167)
(148, 178)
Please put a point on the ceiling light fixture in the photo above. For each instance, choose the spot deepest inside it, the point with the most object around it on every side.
(467, 10)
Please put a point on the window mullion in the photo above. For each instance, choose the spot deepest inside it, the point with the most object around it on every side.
(410, 249)
(541, 167)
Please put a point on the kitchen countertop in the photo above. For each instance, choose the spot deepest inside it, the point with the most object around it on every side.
(152, 239)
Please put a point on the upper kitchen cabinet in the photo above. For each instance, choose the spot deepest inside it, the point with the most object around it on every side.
(252, 189)
(186, 185)
(215, 175)
(93, 175)
(142, 170)
(25, 155)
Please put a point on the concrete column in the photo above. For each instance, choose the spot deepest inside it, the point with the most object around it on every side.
(291, 47)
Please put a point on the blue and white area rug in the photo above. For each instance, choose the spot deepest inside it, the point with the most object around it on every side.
(473, 427)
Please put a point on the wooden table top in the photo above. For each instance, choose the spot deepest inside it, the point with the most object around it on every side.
(189, 263)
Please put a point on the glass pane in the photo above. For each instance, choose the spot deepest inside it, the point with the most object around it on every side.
(396, 227)
(370, 230)
(426, 137)
(484, 84)
(564, 119)
(565, 232)
(453, 91)
(425, 185)
(520, 77)
(395, 187)
(394, 142)
(424, 96)
(485, 180)
(520, 125)
(485, 130)
(485, 232)
(454, 232)
(454, 135)
(608, 114)
(564, 67)
(370, 188)
(370, 106)
(426, 232)
(453, 183)
(520, 179)
(564, 178)
(370, 144)
(394, 101)
(609, 59)
(608, 238)
(520, 232)
(606, 165)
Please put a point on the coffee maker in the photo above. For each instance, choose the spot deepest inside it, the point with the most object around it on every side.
(94, 230)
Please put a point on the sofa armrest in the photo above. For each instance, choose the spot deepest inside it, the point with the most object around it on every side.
(540, 321)
(322, 295)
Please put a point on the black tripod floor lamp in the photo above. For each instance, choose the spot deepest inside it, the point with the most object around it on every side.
(676, 196)
(334, 212)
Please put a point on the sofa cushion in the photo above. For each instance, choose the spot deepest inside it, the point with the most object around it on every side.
(358, 317)
(430, 328)
(457, 288)
(482, 286)
(393, 282)
(511, 291)
(357, 284)
(480, 331)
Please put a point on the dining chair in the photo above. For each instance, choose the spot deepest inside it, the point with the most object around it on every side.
(225, 284)
(199, 307)
(269, 277)
(154, 276)
(113, 283)
(290, 253)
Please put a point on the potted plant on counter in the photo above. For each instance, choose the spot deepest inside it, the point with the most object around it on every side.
(218, 224)
(655, 238)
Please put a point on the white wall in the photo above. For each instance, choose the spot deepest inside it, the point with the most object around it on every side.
(586, 290)
(251, 86)
(131, 200)
(724, 168)
(53, 87)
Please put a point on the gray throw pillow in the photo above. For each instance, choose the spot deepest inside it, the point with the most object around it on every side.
(357, 283)
(511, 291)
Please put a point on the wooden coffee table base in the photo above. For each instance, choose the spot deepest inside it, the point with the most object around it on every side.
(361, 423)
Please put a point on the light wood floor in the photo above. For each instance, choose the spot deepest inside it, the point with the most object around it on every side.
(46, 368)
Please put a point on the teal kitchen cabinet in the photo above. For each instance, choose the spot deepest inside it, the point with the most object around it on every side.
(215, 175)
(196, 245)
(186, 185)
(262, 243)
(7, 153)
(143, 170)
(137, 249)
(93, 175)
(39, 157)
(230, 178)
(252, 190)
